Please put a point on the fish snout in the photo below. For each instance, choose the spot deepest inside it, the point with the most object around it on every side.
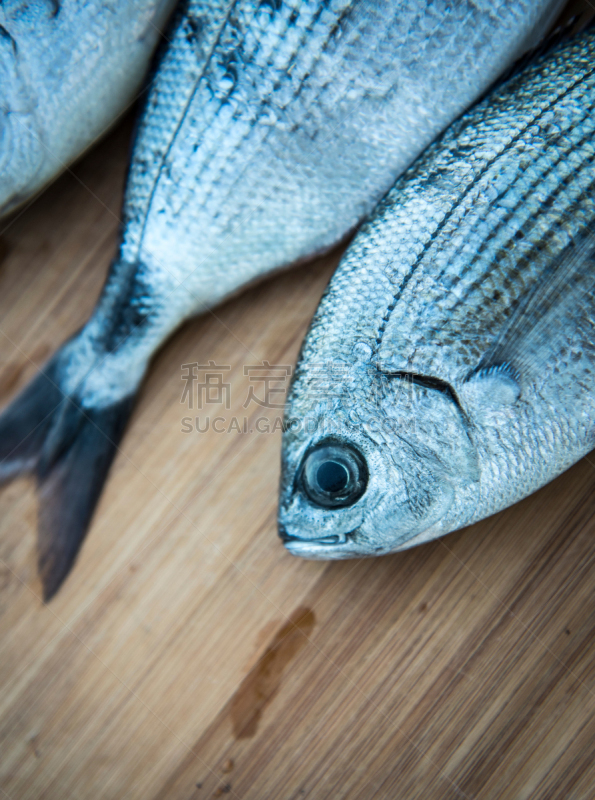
(315, 546)
(288, 539)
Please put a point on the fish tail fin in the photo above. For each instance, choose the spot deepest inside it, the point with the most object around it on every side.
(69, 448)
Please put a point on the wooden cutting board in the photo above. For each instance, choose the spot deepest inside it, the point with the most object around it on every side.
(189, 656)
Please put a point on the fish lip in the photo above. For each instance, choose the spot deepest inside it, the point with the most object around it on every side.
(324, 540)
(298, 542)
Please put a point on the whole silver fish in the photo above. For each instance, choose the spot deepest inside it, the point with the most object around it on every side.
(67, 69)
(270, 130)
(450, 367)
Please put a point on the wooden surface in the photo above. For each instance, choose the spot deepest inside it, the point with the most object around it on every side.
(189, 656)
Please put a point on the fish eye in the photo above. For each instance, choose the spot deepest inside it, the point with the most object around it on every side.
(334, 475)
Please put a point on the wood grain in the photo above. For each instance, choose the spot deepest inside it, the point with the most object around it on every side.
(189, 656)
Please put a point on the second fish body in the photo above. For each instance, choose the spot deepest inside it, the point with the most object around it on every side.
(450, 368)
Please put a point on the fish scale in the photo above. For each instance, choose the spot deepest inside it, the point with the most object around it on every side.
(474, 221)
(218, 166)
(499, 253)
(463, 314)
(193, 34)
(470, 284)
(270, 131)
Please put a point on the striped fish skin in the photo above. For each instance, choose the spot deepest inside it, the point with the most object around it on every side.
(271, 129)
(460, 326)
(67, 69)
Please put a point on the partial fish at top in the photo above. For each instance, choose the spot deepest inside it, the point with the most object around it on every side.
(67, 69)
(270, 131)
(450, 368)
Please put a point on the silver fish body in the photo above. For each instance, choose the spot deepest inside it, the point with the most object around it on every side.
(271, 129)
(450, 368)
(67, 69)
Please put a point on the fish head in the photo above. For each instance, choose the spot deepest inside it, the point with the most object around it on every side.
(385, 463)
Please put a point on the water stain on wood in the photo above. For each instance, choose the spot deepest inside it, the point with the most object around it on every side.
(262, 683)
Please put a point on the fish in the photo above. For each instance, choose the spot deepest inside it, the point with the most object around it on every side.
(270, 131)
(449, 370)
(67, 70)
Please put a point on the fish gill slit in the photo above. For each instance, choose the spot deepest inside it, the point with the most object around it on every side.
(443, 222)
(427, 382)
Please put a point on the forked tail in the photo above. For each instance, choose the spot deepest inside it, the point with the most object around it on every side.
(69, 448)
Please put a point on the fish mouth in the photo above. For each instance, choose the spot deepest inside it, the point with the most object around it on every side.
(320, 548)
